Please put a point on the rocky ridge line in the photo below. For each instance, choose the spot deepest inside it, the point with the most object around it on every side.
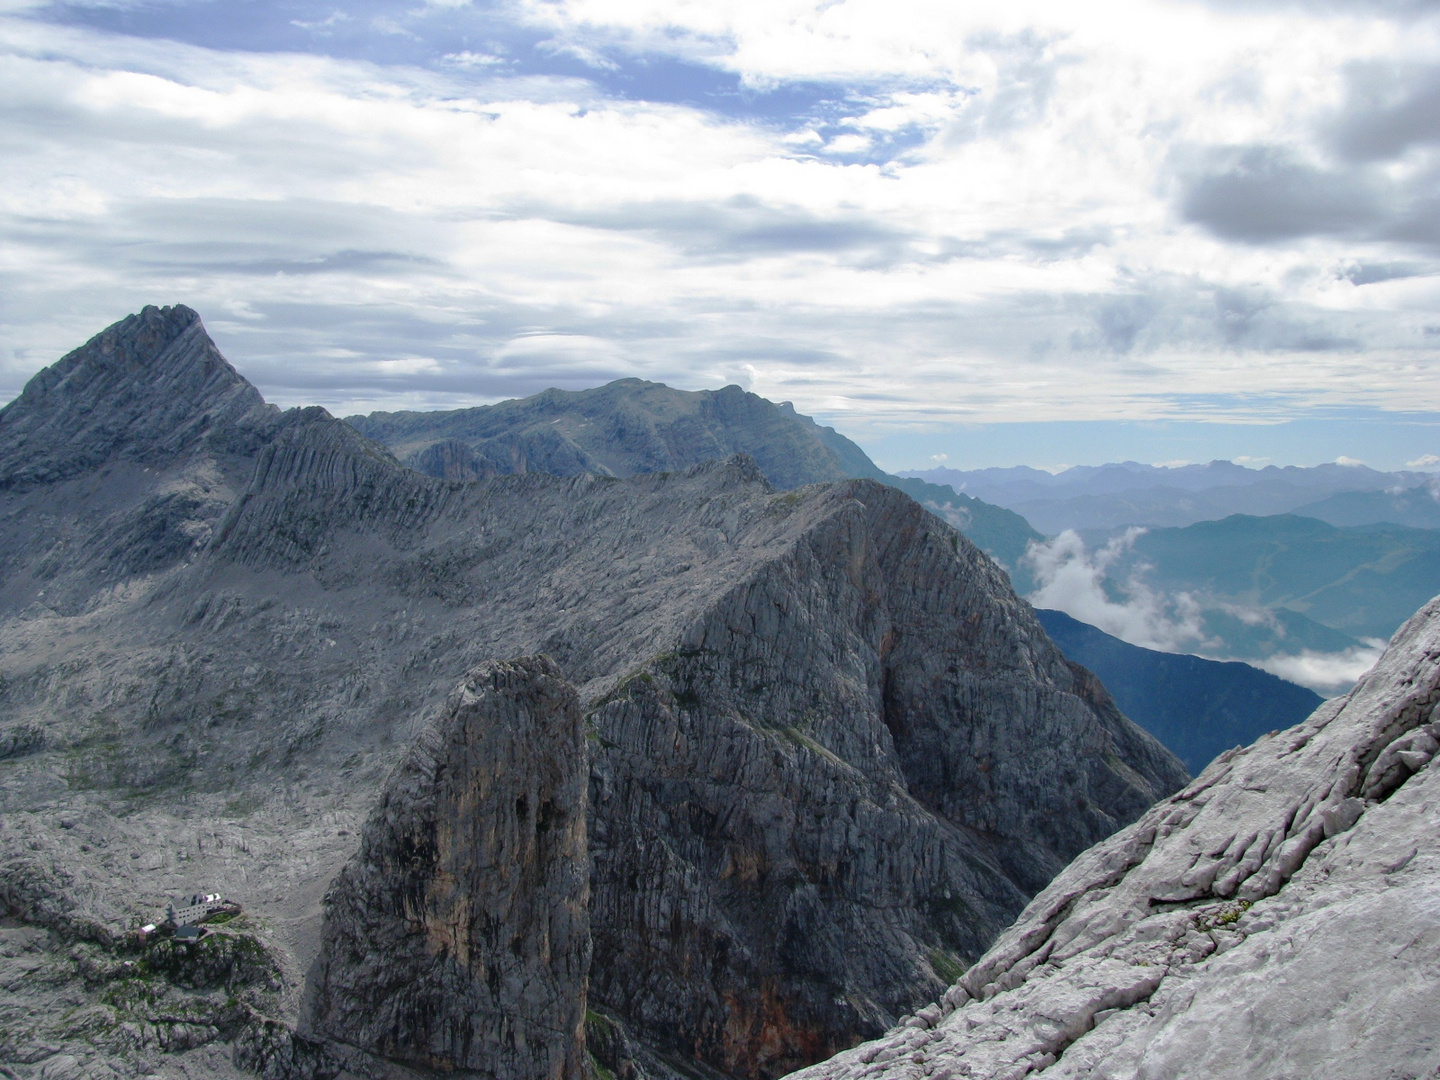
(631, 427)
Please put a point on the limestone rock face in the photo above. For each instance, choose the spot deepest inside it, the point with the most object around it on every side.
(833, 754)
(458, 938)
(1279, 917)
(838, 783)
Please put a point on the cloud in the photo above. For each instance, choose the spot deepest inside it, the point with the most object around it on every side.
(1389, 108)
(1073, 579)
(1259, 194)
(1364, 8)
(1121, 320)
(921, 215)
(591, 58)
(1424, 461)
(466, 58)
(1325, 673)
(1371, 273)
(1351, 462)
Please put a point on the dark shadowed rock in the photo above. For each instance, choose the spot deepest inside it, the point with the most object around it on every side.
(1198, 708)
(457, 938)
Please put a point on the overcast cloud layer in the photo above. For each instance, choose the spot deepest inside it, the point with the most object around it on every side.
(903, 215)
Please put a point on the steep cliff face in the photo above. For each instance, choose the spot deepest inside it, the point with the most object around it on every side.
(822, 715)
(1277, 918)
(836, 786)
(457, 938)
(833, 752)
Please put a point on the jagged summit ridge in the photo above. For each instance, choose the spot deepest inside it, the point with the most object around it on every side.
(148, 388)
(1276, 918)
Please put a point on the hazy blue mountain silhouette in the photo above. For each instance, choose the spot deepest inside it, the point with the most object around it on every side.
(1198, 708)
(1129, 493)
(1363, 581)
(1418, 507)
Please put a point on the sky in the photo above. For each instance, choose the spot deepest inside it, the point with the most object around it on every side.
(1035, 232)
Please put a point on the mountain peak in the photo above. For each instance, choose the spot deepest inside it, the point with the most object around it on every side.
(147, 388)
(624, 428)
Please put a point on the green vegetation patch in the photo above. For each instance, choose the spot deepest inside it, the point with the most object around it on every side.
(947, 965)
(1224, 916)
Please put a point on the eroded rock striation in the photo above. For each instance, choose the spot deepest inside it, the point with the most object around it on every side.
(833, 754)
(458, 937)
(1279, 917)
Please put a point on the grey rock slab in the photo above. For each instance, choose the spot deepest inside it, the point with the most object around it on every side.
(1278, 918)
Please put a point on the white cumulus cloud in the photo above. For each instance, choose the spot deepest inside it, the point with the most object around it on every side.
(1073, 579)
(931, 213)
(1325, 673)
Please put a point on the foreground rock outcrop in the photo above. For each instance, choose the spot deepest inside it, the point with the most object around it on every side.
(1280, 917)
(458, 938)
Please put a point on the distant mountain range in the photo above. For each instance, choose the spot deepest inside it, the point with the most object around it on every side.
(631, 427)
(1363, 581)
(1129, 493)
(1266, 563)
(1198, 708)
(1418, 507)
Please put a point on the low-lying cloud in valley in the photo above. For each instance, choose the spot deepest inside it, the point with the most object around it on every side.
(1325, 673)
(1074, 578)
